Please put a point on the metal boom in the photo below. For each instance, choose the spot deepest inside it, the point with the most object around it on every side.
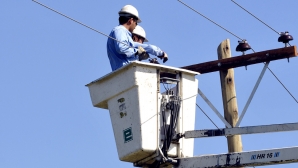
(241, 130)
(238, 159)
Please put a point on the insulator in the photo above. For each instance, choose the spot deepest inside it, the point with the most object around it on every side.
(243, 46)
(285, 37)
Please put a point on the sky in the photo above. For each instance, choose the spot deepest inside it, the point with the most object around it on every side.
(46, 116)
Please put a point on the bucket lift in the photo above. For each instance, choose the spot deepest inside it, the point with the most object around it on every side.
(155, 128)
(146, 122)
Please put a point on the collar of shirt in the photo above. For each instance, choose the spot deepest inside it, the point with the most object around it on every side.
(127, 31)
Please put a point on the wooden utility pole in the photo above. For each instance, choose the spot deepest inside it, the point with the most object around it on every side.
(229, 96)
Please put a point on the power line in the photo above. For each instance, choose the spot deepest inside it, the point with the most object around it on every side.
(213, 22)
(185, 5)
(254, 51)
(210, 20)
(80, 22)
(242, 39)
(255, 16)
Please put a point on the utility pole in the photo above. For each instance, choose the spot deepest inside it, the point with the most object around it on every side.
(229, 96)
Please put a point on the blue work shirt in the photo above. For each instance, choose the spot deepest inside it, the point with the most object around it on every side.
(120, 54)
(150, 49)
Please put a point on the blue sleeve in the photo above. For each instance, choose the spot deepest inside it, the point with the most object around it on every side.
(122, 36)
(151, 49)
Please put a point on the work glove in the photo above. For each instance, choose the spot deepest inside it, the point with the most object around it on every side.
(164, 57)
(143, 55)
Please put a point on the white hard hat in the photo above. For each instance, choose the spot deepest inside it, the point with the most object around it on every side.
(140, 31)
(129, 10)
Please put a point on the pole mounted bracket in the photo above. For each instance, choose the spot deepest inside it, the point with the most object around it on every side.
(244, 60)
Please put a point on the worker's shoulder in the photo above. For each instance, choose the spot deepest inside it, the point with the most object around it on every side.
(119, 28)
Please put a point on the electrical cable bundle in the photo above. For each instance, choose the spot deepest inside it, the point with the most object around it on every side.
(169, 130)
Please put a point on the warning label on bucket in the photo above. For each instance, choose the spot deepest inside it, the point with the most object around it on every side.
(127, 134)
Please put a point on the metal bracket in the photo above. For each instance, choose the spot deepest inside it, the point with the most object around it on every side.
(252, 94)
(241, 130)
(214, 109)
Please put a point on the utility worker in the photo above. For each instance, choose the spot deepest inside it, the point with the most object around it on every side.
(139, 36)
(122, 49)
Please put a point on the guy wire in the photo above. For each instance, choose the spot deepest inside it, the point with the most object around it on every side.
(80, 23)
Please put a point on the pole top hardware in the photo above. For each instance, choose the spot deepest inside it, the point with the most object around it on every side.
(285, 37)
(243, 46)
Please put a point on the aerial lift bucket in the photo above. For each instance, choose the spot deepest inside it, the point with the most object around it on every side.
(132, 94)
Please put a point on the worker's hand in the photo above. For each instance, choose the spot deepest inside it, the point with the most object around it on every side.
(143, 55)
(164, 57)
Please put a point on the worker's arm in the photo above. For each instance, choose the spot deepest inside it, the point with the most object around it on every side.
(128, 50)
(151, 49)
(154, 50)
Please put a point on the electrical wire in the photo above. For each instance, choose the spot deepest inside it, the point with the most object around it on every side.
(163, 110)
(169, 130)
(210, 20)
(170, 105)
(80, 23)
(242, 39)
(175, 111)
(282, 84)
(213, 22)
(207, 116)
(255, 16)
(164, 86)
